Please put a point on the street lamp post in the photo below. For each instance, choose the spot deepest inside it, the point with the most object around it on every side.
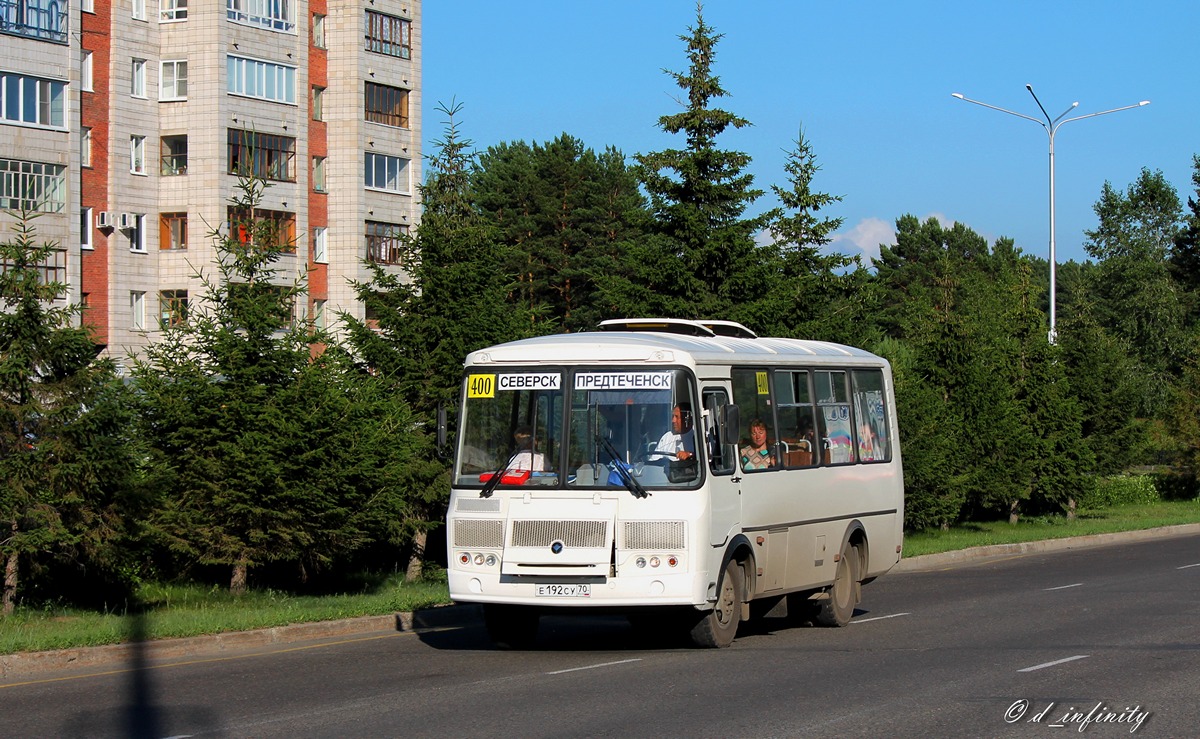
(1051, 126)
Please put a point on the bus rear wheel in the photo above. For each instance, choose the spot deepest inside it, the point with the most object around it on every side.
(839, 607)
(718, 627)
(511, 627)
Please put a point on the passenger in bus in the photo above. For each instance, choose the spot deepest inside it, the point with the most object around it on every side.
(678, 444)
(866, 443)
(756, 455)
(526, 458)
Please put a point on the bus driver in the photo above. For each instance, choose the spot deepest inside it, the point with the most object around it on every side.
(679, 443)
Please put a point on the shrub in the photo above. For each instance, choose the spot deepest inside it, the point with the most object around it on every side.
(1120, 490)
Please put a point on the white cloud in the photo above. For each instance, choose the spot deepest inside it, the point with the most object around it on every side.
(865, 236)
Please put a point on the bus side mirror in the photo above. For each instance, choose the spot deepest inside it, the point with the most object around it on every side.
(441, 431)
(730, 422)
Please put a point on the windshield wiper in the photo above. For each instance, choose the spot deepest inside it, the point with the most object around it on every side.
(622, 469)
(490, 486)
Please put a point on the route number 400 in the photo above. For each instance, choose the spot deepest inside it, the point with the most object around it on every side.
(481, 386)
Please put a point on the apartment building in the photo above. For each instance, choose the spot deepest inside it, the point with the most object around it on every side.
(126, 124)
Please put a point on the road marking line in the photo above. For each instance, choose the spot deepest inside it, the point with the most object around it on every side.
(1055, 662)
(880, 618)
(592, 667)
(1064, 587)
(1187, 566)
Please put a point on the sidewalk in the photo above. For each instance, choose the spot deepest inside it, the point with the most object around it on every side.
(31, 664)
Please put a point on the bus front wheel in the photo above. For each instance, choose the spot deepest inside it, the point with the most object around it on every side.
(511, 627)
(839, 607)
(718, 627)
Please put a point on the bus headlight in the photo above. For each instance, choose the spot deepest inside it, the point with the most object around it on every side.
(640, 561)
(490, 561)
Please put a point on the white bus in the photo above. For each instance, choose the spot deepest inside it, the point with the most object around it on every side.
(626, 469)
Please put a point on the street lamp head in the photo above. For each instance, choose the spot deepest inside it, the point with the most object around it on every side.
(959, 95)
(1144, 102)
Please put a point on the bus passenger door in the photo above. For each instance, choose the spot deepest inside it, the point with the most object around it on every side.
(724, 503)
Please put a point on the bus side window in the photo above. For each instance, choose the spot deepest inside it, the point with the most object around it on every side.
(797, 429)
(720, 459)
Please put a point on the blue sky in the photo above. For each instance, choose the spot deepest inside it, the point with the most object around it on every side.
(870, 83)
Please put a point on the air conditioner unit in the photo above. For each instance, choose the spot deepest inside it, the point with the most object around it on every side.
(106, 219)
(127, 221)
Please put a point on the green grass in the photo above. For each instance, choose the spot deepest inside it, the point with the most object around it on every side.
(192, 610)
(1102, 521)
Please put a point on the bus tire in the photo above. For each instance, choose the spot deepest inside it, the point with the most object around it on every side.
(511, 627)
(717, 627)
(839, 607)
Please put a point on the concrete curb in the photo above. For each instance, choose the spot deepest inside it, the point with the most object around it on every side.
(455, 616)
(929, 562)
(146, 653)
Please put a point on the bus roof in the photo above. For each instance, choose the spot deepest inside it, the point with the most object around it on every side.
(649, 343)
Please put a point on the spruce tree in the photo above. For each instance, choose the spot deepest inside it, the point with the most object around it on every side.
(265, 455)
(453, 296)
(66, 457)
(703, 266)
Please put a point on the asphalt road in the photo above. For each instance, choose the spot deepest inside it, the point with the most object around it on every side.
(1102, 641)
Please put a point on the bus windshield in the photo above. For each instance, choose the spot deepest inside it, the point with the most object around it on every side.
(605, 427)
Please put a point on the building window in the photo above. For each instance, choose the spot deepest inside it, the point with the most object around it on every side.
(174, 155)
(45, 20)
(137, 79)
(88, 6)
(320, 247)
(318, 38)
(259, 79)
(385, 242)
(137, 154)
(319, 319)
(318, 174)
(139, 10)
(318, 104)
(85, 228)
(137, 233)
(383, 172)
(262, 155)
(172, 231)
(275, 15)
(137, 310)
(172, 83)
(85, 147)
(387, 34)
(386, 105)
(266, 228)
(32, 186)
(32, 100)
(86, 71)
(172, 10)
(172, 307)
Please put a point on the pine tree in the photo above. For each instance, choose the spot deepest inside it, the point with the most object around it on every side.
(66, 458)
(703, 266)
(568, 215)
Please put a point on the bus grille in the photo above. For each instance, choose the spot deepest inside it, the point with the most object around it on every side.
(572, 533)
(653, 535)
(474, 532)
(478, 505)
